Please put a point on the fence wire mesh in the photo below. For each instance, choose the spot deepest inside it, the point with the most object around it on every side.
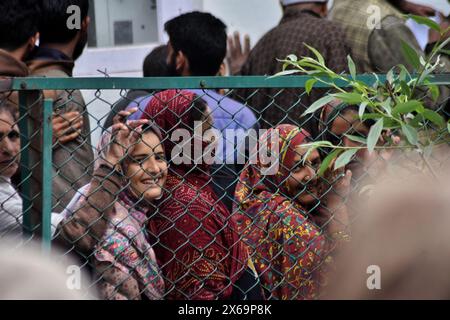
(148, 215)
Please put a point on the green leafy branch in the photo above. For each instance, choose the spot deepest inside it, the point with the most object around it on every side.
(402, 104)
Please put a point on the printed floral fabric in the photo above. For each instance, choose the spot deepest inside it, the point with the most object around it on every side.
(288, 247)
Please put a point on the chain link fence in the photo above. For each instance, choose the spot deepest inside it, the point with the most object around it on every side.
(148, 216)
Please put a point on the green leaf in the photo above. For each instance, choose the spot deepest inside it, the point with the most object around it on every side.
(318, 144)
(434, 117)
(404, 73)
(349, 97)
(351, 67)
(408, 107)
(318, 104)
(448, 127)
(425, 21)
(447, 52)
(411, 55)
(317, 54)
(311, 147)
(390, 123)
(390, 76)
(327, 161)
(286, 62)
(309, 85)
(310, 60)
(386, 105)
(292, 57)
(371, 116)
(410, 134)
(443, 44)
(434, 91)
(284, 73)
(313, 66)
(376, 78)
(357, 139)
(423, 63)
(344, 158)
(362, 109)
(405, 88)
(374, 135)
(417, 121)
(322, 74)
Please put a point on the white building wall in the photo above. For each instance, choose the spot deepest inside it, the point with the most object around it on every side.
(253, 17)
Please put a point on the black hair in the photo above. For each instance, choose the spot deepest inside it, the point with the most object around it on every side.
(54, 17)
(18, 22)
(153, 128)
(155, 64)
(202, 38)
(395, 3)
(197, 110)
(339, 111)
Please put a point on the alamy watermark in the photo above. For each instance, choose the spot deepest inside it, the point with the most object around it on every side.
(374, 20)
(74, 20)
(374, 280)
(227, 147)
(73, 281)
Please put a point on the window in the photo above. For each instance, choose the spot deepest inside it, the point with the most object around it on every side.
(122, 23)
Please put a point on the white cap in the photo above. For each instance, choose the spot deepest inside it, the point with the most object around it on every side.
(289, 2)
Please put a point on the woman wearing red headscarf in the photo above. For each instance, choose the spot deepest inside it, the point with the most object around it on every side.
(278, 216)
(196, 243)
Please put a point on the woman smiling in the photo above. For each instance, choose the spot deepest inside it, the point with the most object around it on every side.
(130, 173)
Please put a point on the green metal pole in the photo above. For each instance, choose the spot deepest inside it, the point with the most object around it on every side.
(162, 83)
(47, 146)
(25, 165)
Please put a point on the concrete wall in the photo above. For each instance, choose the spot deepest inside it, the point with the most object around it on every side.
(254, 17)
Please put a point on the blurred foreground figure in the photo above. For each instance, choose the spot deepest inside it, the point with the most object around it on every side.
(27, 274)
(401, 244)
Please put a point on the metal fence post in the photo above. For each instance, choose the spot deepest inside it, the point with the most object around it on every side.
(47, 146)
(25, 166)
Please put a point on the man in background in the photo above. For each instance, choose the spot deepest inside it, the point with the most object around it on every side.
(18, 34)
(376, 40)
(58, 50)
(303, 22)
(377, 31)
(197, 47)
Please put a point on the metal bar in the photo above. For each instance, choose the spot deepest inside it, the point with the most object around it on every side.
(187, 82)
(47, 145)
(179, 82)
(25, 165)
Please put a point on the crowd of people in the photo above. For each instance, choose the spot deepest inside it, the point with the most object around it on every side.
(150, 227)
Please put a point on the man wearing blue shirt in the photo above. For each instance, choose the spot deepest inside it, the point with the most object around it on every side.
(197, 47)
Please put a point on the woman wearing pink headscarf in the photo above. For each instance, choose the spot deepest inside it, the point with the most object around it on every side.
(109, 217)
